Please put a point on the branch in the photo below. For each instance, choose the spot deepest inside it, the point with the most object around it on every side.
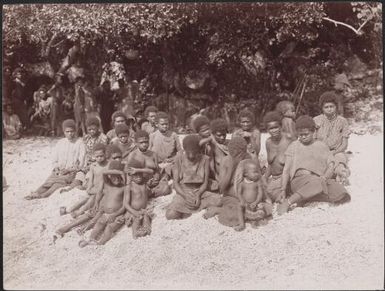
(49, 45)
(356, 31)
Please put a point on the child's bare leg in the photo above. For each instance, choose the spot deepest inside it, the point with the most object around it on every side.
(77, 205)
(211, 212)
(109, 232)
(84, 205)
(99, 227)
(90, 224)
(135, 227)
(53, 188)
(80, 220)
(241, 219)
(146, 224)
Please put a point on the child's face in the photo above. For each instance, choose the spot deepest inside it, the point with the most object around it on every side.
(137, 178)
(192, 155)
(220, 137)
(290, 112)
(142, 143)
(116, 157)
(119, 120)
(246, 123)
(274, 129)
(205, 131)
(251, 172)
(69, 133)
(163, 125)
(151, 117)
(329, 108)
(99, 156)
(115, 180)
(92, 130)
(305, 135)
(123, 137)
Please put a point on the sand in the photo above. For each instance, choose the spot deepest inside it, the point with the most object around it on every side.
(317, 247)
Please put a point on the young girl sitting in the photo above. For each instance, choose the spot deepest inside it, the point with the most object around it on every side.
(68, 159)
(309, 167)
(191, 177)
(11, 123)
(249, 132)
(123, 140)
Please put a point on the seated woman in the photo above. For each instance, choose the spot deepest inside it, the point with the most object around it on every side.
(276, 146)
(68, 158)
(333, 130)
(191, 178)
(230, 180)
(309, 166)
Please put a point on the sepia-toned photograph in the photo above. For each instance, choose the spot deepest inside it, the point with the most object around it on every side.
(193, 146)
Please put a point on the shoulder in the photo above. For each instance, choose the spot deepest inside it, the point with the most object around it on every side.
(256, 131)
(342, 120)
(268, 141)
(319, 118)
(320, 145)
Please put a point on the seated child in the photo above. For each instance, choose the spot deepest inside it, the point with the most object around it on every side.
(219, 129)
(95, 182)
(191, 178)
(123, 140)
(250, 206)
(164, 142)
(148, 124)
(251, 196)
(276, 146)
(333, 130)
(93, 137)
(113, 152)
(106, 215)
(68, 159)
(149, 167)
(249, 132)
(287, 109)
(11, 123)
(118, 118)
(309, 167)
(136, 201)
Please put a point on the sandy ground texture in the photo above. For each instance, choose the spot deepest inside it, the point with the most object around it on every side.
(317, 247)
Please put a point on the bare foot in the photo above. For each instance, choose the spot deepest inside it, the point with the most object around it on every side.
(239, 227)
(65, 189)
(81, 231)
(83, 243)
(57, 235)
(74, 214)
(283, 207)
(210, 212)
(31, 196)
(63, 210)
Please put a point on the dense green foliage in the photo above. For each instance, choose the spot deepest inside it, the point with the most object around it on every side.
(202, 50)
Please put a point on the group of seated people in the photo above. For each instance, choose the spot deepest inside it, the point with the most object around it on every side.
(122, 170)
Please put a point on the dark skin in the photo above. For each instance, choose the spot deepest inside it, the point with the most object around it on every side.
(135, 202)
(192, 198)
(306, 137)
(251, 134)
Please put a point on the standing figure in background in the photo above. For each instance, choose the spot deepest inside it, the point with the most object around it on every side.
(19, 98)
(148, 124)
(104, 96)
(79, 106)
(287, 109)
(58, 113)
(11, 123)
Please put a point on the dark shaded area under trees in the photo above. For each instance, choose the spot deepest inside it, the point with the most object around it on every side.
(191, 55)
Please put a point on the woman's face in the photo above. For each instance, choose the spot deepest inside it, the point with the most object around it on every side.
(274, 129)
(305, 136)
(245, 123)
(92, 130)
(69, 133)
(205, 131)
